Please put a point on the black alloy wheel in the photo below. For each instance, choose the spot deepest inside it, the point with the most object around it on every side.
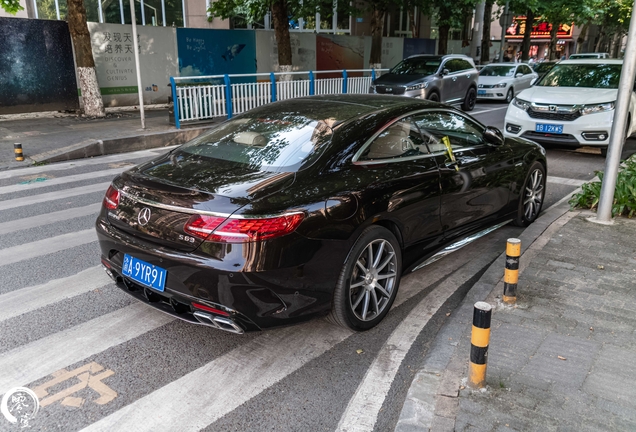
(531, 196)
(368, 281)
(470, 99)
(510, 95)
(433, 97)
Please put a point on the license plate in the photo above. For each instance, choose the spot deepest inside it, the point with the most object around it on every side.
(144, 273)
(548, 128)
(481, 92)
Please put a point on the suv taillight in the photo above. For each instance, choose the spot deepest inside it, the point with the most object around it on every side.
(239, 230)
(111, 199)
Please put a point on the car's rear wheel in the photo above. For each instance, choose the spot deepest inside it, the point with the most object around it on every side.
(433, 97)
(510, 95)
(470, 99)
(531, 196)
(368, 281)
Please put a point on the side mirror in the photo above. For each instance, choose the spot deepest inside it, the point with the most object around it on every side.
(444, 72)
(519, 75)
(493, 135)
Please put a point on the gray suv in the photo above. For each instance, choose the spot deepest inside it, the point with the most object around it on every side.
(450, 79)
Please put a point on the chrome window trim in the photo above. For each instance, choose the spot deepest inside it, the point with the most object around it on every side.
(202, 212)
(357, 155)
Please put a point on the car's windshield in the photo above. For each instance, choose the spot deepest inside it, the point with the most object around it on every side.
(583, 75)
(494, 71)
(543, 67)
(278, 141)
(584, 56)
(417, 66)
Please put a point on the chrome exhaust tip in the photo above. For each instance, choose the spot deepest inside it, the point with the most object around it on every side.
(220, 323)
(109, 273)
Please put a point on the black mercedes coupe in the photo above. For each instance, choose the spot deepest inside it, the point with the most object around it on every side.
(310, 207)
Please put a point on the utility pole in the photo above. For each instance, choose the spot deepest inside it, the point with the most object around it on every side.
(617, 134)
(504, 26)
(140, 89)
(478, 31)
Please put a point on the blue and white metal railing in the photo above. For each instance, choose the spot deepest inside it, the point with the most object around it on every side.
(203, 98)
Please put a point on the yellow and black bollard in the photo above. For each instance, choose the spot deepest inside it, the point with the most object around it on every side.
(479, 345)
(17, 150)
(511, 274)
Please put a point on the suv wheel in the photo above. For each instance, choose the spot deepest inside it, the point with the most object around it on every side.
(433, 97)
(469, 99)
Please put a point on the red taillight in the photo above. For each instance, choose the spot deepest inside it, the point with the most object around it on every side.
(210, 309)
(251, 230)
(111, 199)
(202, 226)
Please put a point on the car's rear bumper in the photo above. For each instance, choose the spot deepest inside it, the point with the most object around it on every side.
(253, 289)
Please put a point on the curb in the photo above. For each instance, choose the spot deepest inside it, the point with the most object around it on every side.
(432, 401)
(91, 148)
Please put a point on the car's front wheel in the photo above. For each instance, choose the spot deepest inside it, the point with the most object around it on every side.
(368, 281)
(531, 196)
(469, 99)
(510, 95)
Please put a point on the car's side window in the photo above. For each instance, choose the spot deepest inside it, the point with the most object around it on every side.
(465, 65)
(442, 125)
(401, 139)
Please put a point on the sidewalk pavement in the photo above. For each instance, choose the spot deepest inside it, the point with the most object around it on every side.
(59, 136)
(563, 359)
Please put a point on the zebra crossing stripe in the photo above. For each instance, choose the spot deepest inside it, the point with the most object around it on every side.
(52, 196)
(61, 180)
(49, 218)
(23, 252)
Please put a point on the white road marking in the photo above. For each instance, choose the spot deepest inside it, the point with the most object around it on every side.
(363, 408)
(488, 110)
(49, 218)
(61, 166)
(15, 303)
(50, 196)
(566, 181)
(238, 376)
(61, 180)
(23, 252)
(40, 358)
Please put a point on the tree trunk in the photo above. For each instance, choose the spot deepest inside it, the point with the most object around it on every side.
(601, 36)
(415, 29)
(444, 17)
(582, 37)
(617, 48)
(553, 40)
(91, 96)
(485, 39)
(525, 45)
(281, 31)
(377, 27)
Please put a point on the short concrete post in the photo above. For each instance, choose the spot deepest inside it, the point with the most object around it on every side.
(511, 274)
(17, 150)
(479, 341)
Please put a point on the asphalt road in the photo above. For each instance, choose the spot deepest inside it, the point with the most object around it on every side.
(100, 361)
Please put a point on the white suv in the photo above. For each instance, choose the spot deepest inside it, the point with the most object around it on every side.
(571, 105)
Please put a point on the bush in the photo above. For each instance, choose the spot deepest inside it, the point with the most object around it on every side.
(624, 194)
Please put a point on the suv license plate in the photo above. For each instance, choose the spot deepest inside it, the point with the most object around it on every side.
(548, 128)
(144, 273)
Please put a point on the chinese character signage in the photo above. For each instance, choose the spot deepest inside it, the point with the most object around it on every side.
(540, 30)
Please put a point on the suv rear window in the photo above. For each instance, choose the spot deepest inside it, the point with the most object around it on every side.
(277, 141)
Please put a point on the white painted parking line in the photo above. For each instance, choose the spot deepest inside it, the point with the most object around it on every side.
(566, 181)
(61, 166)
(61, 180)
(40, 358)
(15, 303)
(488, 110)
(23, 252)
(51, 196)
(49, 218)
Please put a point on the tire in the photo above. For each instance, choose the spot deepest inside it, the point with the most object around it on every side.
(433, 97)
(531, 196)
(470, 99)
(510, 95)
(361, 300)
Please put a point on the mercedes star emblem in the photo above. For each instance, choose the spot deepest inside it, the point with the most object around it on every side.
(144, 216)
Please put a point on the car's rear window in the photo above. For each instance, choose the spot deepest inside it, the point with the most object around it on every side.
(591, 75)
(501, 71)
(277, 141)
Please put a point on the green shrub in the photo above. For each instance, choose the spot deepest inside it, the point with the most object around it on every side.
(624, 194)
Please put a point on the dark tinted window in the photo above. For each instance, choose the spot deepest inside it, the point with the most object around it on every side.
(465, 65)
(543, 67)
(417, 66)
(583, 75)
(460, 131)
(501, 71)
(526, 70)
(277, 141)
(401, 139)
(453, 65)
